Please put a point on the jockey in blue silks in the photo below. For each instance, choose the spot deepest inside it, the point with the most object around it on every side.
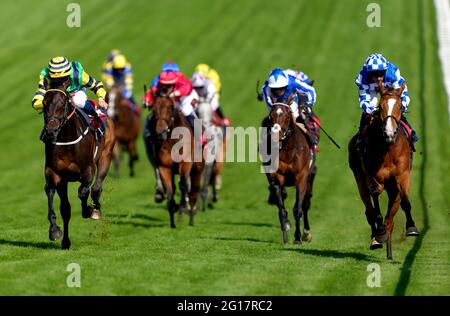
(280, 86)
(376, 66)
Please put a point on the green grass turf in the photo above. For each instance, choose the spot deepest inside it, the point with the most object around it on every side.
(236, 248)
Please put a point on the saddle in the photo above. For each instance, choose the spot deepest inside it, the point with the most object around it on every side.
(97, 124)
(408, 133)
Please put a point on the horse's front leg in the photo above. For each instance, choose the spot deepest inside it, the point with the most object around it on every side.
(403, 181)
(65, 212)
(83, 192)
(282, 213)
(301, 185)
(50, 189)
(393, 206)
(166, 178)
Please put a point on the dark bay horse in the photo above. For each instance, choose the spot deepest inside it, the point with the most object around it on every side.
(385, 163)
(167, 119)
(126, 127)
(295, 168)
(72, 154)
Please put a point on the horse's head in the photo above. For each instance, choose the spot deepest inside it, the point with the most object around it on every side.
(205, 113)
(390, 111)
(164, 115)
(280, 119)
(56, 107)
(114, 94)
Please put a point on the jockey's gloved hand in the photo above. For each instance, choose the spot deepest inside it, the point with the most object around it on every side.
(308, 109)
(103, 103)
(260, 97)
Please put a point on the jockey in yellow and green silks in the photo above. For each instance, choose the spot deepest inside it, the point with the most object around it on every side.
(60, 70)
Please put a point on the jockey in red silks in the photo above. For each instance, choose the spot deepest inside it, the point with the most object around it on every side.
(179, 88)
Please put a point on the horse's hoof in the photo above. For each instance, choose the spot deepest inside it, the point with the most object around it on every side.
(96, 215)
(285, 237)
(382, 236)
(87, 213)
(374, 244)
(65, 244)
(286, 226)
(159, 197)
(412, 231)
(297, 242)
(307, 236)
(55, 234)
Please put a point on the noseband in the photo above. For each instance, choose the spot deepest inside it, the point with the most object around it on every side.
(65, 118)
(289, 129)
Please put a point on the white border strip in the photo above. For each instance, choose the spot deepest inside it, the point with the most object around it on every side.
(443, 33)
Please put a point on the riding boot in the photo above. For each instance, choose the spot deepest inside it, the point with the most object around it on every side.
(363, 125)
(134, 106)
(414, 136)
(191, 118)
(100, 126)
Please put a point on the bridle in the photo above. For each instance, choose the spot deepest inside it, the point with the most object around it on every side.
(391, 94)
(171, 120)
(288, 131)
(66, 117)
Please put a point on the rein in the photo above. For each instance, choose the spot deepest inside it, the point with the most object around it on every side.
(66, 118)
(289, 129)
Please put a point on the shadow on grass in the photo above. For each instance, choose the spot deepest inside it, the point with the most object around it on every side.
(139, 216)
(335, 254)
(250, 224)
(405, 276)
(38, 245)
(137, 224)
(240, 239)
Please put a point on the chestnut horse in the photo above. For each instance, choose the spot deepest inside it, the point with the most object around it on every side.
(295, 168)
(126, 126)
(166, 119)
(72, 153)
(385, 163)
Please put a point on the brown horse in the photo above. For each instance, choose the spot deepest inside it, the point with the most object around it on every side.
(72, 154)
(126, 126)
(167, 119)
(295, 168)
(385, 163)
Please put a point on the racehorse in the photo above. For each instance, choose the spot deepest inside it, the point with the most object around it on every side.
(213, 153)
(72, 153)
(385, 163)
(295, 168)
(126, 126)
(165, 119)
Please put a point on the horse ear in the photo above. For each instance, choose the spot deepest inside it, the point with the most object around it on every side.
(289, 100)
(380, 86)
(46, 83)
(402, 88)
(66, 84)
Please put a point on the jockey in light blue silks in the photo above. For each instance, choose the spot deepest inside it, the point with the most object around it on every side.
(376, 66)
(280, 86)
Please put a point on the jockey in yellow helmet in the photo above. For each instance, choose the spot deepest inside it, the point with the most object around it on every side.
(213, 76)
(117, 71)
(60, 71)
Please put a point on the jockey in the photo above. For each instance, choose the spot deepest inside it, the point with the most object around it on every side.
(61, 70)
(168, 66)
(376, 66)
(179, 88)
(117, 71)
(280, 87)
(300, 76)
(212, 75)
(207, 92)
